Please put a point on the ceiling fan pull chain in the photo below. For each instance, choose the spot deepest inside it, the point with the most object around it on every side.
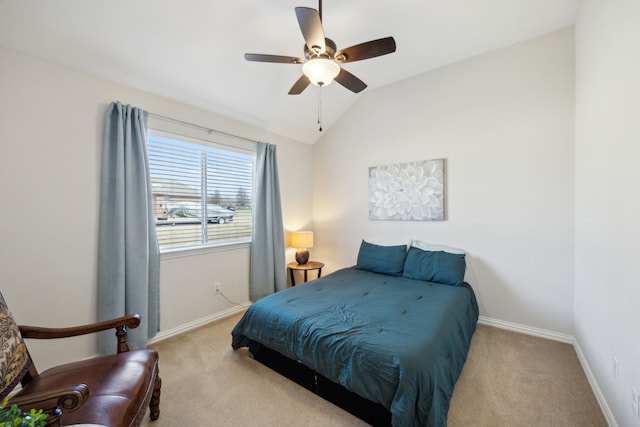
(320, 108)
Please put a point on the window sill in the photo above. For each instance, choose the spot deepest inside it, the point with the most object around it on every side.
(204, 249)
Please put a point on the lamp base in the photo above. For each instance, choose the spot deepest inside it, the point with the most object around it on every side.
(302, 256)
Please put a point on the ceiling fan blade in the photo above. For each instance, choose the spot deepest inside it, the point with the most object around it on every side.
(311, 27)
(258, 57)
(299, 85)
(366, 50)
(350, 81)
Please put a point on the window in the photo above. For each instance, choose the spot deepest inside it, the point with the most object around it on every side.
(202, 193)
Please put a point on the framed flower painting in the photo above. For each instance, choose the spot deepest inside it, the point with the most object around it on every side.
(412, 191)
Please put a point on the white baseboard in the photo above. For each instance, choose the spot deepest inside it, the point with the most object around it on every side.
(163, 335)
(528, 330)
(608, 415)
(565, 338)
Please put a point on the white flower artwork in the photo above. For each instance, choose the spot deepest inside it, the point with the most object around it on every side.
(411, 191)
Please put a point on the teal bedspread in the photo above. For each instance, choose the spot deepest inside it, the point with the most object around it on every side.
(395, 341)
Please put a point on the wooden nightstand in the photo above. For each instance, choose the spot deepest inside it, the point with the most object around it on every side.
(311, 265)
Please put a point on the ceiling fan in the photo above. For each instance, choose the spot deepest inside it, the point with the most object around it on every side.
(322, 60)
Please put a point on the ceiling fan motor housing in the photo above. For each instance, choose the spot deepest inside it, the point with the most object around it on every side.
(329, 52)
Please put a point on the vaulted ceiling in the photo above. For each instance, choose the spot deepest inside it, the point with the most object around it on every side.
(192, 50)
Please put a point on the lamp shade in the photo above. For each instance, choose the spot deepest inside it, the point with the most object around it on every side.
(321, 71)
(302, 239)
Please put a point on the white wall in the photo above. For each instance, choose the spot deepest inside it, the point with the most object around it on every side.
(504, 123)
(51, 130)
(607, 290)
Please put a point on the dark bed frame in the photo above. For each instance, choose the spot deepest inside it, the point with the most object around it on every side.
(368, 411)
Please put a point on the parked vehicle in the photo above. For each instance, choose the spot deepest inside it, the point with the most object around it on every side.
(215, 213)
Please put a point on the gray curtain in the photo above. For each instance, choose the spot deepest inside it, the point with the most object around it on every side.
(128, 254)
(268, 274)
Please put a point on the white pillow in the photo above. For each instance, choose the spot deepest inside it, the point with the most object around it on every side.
(425, 246)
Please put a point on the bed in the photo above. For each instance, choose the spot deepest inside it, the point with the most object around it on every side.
(393, 341)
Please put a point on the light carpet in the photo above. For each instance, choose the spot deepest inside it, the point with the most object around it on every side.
(509, 379)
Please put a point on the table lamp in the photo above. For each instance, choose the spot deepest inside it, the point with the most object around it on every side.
(301, 240)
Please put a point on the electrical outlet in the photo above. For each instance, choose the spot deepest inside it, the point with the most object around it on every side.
(615, 368)
(216, 288)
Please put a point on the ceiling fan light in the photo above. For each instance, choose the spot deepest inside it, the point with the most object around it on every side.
(320, 71)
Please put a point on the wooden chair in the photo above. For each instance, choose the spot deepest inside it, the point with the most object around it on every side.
(112, 390)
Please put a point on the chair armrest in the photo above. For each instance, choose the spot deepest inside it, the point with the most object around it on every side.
(131, 321)
(55, 402)
(120, 324)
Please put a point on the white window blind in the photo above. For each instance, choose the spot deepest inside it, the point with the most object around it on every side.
(202, 193)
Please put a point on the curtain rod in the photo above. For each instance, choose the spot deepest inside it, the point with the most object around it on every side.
(209, 130)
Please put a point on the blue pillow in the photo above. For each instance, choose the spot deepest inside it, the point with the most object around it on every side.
(435, 266)
(381, 259)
